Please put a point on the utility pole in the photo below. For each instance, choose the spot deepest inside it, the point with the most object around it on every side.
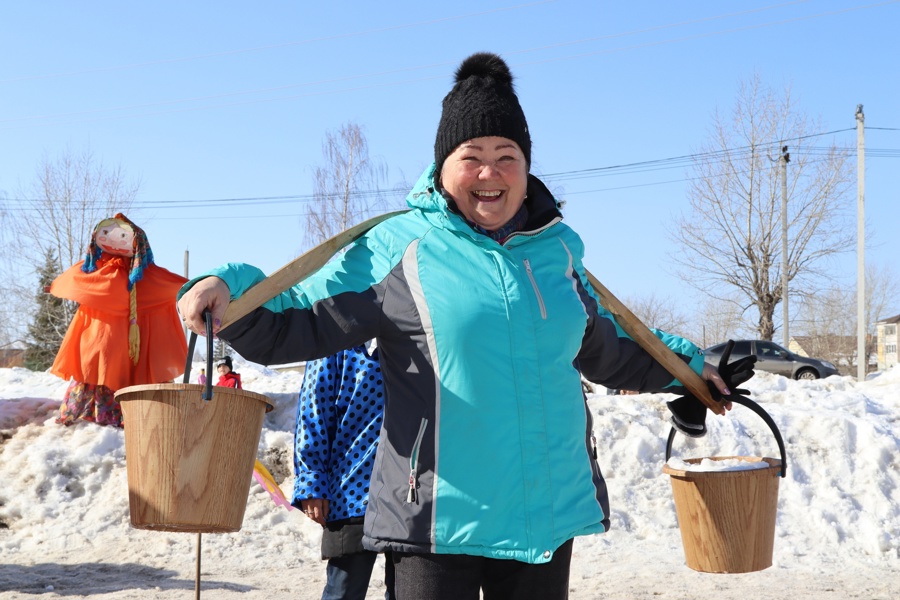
(785, 159)
(187, 254)
(862, 359)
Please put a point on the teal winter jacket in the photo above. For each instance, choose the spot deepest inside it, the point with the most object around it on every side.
(486, 441)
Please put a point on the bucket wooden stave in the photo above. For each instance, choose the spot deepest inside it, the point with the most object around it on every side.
(727, 518)
(190, 461)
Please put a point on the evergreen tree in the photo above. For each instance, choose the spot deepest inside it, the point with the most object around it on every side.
(46, 331)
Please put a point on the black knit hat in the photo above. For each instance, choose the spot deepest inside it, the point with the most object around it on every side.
(482, 103)
(226, 360)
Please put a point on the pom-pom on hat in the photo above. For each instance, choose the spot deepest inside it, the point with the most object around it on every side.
(482, 103)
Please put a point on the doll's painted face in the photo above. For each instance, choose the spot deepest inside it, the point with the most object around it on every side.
(115, 237)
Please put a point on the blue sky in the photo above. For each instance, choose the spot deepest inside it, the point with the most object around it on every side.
(208, 103)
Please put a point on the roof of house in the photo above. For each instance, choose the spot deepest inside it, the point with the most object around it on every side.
(830, 344)
(12, 357)
(894, 319)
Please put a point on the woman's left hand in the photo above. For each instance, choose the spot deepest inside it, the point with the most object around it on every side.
(711, 374)
(210, 294)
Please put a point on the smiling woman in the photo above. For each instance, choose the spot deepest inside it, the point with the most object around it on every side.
(485, 323)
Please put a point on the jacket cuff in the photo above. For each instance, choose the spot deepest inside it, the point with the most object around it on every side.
(310, 484)
(239, 278)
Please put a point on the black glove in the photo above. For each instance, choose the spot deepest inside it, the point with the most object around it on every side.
(689, 413)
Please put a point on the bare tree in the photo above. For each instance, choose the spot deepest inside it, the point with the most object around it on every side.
(660, 313)
(349, 187)
(69, 196)
(716, 321)
(882, 294)
(730, 240)
(828, 319)
(9, 330)
(55, 216)
(826, 326)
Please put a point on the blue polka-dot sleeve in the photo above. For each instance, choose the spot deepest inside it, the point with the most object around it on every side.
(339, 420)
(316, 424)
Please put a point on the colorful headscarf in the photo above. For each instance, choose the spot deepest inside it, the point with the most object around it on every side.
(143, 255)
(141, 259)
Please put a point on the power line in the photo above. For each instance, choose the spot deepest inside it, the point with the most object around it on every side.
(639, 167)
(578, 175)
(370, 212)
(682, 162)
(550, 179)
(231, 202)
(688, 159)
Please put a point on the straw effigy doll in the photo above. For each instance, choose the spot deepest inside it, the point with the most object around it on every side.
(126, 330)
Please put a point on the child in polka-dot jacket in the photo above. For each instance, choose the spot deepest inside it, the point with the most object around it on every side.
(338, 423)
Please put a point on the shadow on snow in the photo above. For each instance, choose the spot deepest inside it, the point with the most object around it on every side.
(90, 579)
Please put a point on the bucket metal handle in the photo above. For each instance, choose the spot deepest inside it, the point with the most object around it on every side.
(207, 391)
(737, 399)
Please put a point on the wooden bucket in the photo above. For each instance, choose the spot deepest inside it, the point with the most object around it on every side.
(189, 460)
(727, 518)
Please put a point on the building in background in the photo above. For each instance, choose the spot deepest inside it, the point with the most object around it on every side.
(12, 357)
(887, 342)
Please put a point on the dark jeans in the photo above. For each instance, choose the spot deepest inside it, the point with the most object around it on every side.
(348, 576)
(461, 577)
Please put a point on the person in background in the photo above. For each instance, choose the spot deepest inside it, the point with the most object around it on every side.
(227, 376)
(201, 378)
(338, 423)
(485, 322)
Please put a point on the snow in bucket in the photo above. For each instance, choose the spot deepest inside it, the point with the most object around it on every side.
(708, 465)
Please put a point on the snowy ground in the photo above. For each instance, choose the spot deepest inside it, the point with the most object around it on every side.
(65, 533)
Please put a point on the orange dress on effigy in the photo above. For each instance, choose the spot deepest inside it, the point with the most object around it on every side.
(95, 348)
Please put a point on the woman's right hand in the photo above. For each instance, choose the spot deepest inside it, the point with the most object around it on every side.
(210, 293)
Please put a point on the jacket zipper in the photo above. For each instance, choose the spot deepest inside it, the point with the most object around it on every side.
(537, 292)
(533, 232)
(412, 496)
